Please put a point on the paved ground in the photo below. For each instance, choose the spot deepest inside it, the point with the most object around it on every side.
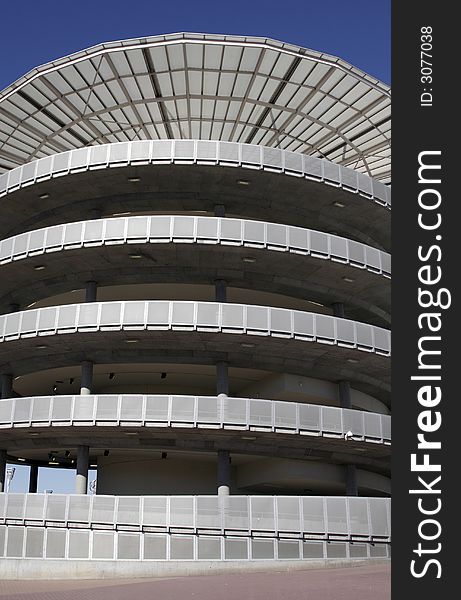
(359, 583)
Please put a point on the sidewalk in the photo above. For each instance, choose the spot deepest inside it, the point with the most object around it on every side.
(359, 583)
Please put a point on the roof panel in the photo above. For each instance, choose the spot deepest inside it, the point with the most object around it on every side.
(159, 60)
(212, 58)
(194, 55)
(121, 63)
(231, 58)
(176, 57)
(250, 59)
(81, 96)
(136, 61)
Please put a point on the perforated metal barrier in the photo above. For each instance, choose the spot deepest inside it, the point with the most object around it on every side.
(195, 152)
(200, 230)
(193, 527)
(196, 411)
(195, 316)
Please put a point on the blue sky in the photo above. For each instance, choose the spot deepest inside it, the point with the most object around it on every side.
(36, 32)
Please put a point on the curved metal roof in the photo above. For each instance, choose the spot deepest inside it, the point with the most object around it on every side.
(187, 85)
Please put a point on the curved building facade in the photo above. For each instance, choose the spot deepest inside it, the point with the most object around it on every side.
(195, 302)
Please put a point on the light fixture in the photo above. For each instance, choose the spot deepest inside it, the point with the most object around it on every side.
(130, 432)
(352, 360)
(316, 303)
(135, 256)
(21, 459)
(134, 179)
(247, 345)
(348, 279)
(121, 214)
(44, 196)
(339, 204)
(243, 182)
(42, 347)
(93, 466)
(249, 259)
(249, 438)
(34, 433)
(55, 389)
(131, 341)
(39, 268)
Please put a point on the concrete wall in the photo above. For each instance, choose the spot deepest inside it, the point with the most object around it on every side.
(146, 475)
(310, 391)
(18, 568)
(138, 473)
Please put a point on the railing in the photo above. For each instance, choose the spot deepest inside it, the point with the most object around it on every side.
(195, 316)
(196, 411)
(195, 152)
(332, 517)
(192, 527)
(200, 230)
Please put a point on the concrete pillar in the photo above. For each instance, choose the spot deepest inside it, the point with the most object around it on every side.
(33, 479)
(6, 385)
(338, 309)
(2, 470)
(219, 210)
(86, 386)
(91, 291)
(223, 473)
(83, 459)
(222, 379)
(220, 287)
(345, 394)
(351, 481)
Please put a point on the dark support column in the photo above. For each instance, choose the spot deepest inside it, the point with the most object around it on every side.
(86, 386)
(345, 394)
(91, 291)
(338, 309)
(351, 481)
(87, 366)
(81, 482)
(219, 210)
(33, 479)
(6, 385)
(220, 290)
(222, 379)
(223, 473)
(2, 470)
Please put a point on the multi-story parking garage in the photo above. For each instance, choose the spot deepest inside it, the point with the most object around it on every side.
(195, 302)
